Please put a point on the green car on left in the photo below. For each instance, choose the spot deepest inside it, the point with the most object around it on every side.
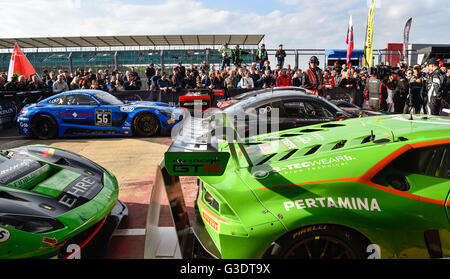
(55, 204)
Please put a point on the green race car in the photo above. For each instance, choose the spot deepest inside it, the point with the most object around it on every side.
(374, 187)
(55, 204)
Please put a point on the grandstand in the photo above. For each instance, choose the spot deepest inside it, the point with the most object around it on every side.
(122, 52)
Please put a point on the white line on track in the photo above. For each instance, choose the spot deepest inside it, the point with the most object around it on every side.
(129, 232)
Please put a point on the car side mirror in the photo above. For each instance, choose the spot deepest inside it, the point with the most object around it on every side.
(398, 182)
(340, 115)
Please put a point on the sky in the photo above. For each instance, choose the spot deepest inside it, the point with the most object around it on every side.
(294, 23)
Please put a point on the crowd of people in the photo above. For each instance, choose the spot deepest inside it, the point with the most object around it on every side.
(409, 87)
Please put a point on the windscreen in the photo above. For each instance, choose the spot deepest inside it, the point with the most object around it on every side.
(107, 99)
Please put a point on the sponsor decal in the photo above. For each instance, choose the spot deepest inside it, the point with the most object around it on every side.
(170, 121)
(213, 224)
(48, 240)
(206, 165)
(4, 235)
(13, 170)
(196, 164)
(289, 144)
(316, 164)
(309, 229)
(24, 180)
(260, 174)
(49, 152)
(83, 188)
(23, 125)
(127, 109)
(351, 203)
(127, 124)
(7, 111)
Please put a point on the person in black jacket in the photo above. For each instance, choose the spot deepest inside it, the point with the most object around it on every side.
(35, 84)
(414, 100)
(149, 73)
(237, 56)
(297, 80)
(12, 85)
(280, 55)
(435, 88)
(400, 92)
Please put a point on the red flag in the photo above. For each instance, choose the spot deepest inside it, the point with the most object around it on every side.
(349, 41)
(19, 64)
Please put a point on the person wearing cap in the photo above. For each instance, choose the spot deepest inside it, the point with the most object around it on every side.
(312, 79)
(435, 88)
(280, 55)
(414, 102)
(262, 56)
(226, 56)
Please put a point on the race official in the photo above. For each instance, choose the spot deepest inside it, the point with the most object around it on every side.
(376, 92)
(237, 56)
(435, 88)
(313, 78)
(226, 56)
(262, 56)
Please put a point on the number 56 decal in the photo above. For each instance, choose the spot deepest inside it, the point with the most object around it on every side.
(103, 117)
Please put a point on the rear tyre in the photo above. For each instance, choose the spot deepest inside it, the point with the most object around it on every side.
(322, 242)
(146, 125)
(43, 126)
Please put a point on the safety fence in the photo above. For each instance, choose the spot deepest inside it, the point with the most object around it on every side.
(12, 102)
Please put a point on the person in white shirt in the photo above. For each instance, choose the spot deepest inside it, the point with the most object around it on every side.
(60, 85)
(247, 81)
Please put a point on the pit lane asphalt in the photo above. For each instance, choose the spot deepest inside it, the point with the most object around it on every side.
(133, 161)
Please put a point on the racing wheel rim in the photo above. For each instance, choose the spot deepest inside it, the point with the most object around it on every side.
(44, 127)
(146, 124)
(321, 247)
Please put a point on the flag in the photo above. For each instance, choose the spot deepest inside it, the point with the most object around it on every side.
(368, 58)
(349, 41)
(19, 64)
(406, 40)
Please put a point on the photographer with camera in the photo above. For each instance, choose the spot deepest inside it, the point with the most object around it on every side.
(414, 102)
(400, 90)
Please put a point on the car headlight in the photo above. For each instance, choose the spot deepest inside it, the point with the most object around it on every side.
(31, 224)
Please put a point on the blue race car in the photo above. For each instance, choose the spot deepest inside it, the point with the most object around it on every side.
(95, 112)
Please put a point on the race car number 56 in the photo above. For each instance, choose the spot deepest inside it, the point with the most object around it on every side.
(103, 117)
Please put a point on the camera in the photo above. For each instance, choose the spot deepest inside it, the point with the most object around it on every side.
(383, 72)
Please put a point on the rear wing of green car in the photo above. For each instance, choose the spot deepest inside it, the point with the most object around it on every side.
(194, 152)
